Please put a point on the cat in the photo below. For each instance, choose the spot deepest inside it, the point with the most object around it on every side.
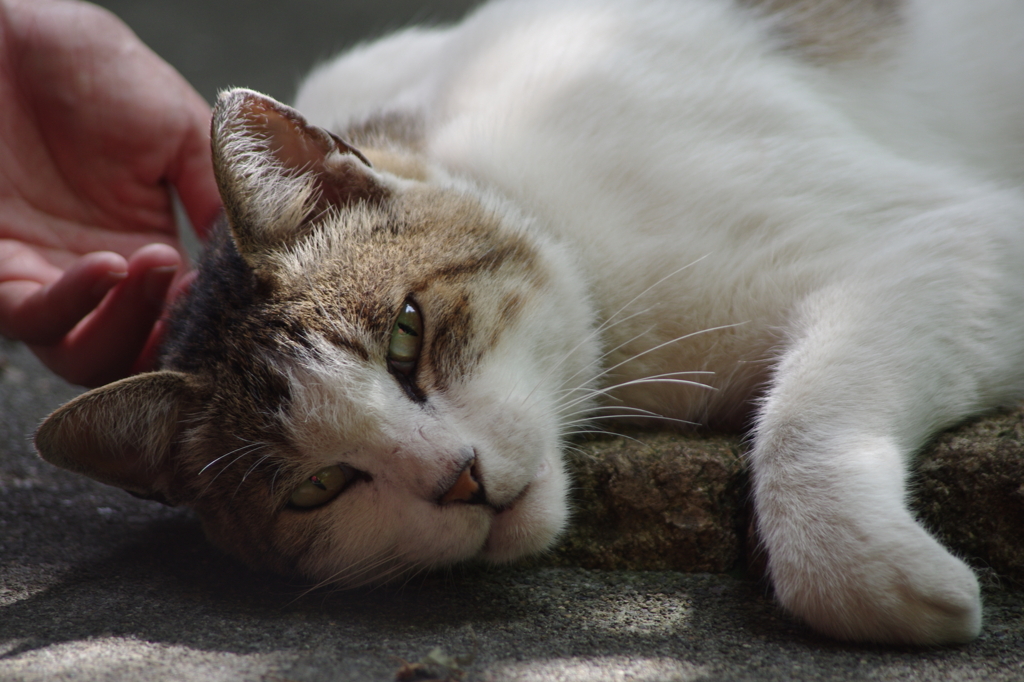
(802, 217)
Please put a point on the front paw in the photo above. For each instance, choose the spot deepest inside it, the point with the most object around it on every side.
(894, 584)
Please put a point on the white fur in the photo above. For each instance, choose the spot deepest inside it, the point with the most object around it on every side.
(854, 236)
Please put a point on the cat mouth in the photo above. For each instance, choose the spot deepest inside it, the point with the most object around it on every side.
(503, 519)
(529, 521)
(502, 508)
(539, 474)
(508, 505)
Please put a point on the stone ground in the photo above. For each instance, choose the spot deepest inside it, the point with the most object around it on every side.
(97, 585)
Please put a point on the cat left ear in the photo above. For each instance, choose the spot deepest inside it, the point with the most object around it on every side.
(276, 172)
(122, 434)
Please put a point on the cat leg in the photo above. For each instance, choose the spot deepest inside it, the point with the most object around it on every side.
(861, 387)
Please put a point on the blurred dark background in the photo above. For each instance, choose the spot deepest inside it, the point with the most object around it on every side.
(267, 45)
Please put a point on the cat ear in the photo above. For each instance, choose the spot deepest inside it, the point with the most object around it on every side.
(275, 171)
(123, 433)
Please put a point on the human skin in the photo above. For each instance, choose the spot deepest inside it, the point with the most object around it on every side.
(94, 130)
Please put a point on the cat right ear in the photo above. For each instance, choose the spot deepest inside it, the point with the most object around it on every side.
(123, 433)
(276, 172)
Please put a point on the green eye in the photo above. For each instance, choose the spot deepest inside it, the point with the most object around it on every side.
(321, 487)
(406, 339)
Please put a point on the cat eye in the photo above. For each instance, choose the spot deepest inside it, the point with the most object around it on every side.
(406, 340)
(322, 487)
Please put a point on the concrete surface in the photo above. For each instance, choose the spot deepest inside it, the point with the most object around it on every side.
(97, 585)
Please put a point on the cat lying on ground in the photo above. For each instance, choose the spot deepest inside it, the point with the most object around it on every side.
(802, 216)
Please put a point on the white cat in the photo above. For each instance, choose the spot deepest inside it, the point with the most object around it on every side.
(800, 215)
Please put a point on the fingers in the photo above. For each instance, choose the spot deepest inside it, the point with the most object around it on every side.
(191, 168)
(105, 345)
(147, 358)
(193, 177)
(21, 261)
(38, 311)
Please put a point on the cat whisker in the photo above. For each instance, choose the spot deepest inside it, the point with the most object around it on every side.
(594, 392)
(633, 411)
(657, 283)
(605, 372)
(273, 479)
(586, 413)
(663, 344)
(626, 415)
(366, 570)
(353, 574)
(668, 378)
(394, 572)
(613, 320)
(605, 432)
(656, 379)
(575, 448)
(413, 572)
(595, 361)
(246, 450)
(254, 466)
(653, 376)
(600, 358)
(248, 471)
(228, 454)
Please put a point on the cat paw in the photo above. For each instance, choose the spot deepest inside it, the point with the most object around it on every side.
(905, 589)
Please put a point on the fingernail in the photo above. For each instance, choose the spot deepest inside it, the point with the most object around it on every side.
(156, 281)
(107, 282)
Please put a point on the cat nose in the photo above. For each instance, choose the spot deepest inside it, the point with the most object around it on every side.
(467, 487)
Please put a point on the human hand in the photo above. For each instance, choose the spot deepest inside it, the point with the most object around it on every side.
(94, 129)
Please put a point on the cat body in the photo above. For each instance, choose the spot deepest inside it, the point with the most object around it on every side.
(800, 217)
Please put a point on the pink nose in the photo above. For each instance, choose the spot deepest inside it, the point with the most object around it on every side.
(466, 488)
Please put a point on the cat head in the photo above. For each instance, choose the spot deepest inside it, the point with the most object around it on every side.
(372, 372)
